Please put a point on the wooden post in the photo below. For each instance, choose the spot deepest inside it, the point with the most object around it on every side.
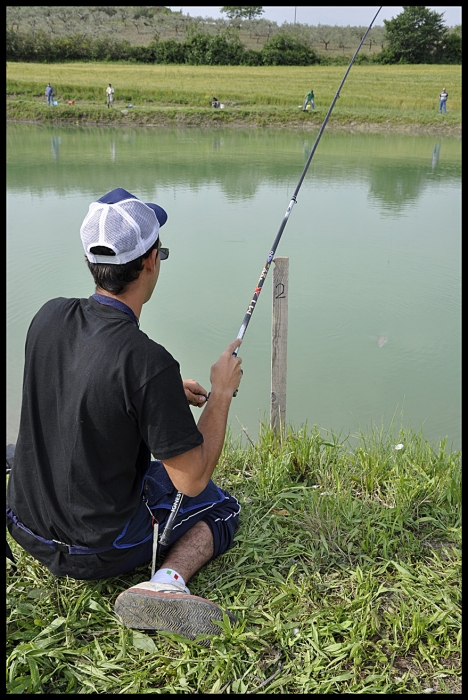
(279, 344)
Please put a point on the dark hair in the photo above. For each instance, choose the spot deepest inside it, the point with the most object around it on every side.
(115, 278)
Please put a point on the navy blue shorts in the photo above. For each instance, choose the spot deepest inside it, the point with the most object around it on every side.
(216, 507)
(133, 547)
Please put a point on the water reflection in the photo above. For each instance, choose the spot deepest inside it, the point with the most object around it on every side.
(396, 187)
(113, 151)
(55, 142)
(435, 156)
(242, 164)
(307, 146)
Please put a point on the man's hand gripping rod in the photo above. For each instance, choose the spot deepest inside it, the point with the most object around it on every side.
(166, 535)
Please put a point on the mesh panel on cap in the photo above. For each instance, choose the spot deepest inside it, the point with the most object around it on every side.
(145, 217)
(118, 233)
(128, 227)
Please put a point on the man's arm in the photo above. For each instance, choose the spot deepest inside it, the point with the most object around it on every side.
(190, 472)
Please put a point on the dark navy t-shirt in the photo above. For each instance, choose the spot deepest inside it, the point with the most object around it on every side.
(99, 398)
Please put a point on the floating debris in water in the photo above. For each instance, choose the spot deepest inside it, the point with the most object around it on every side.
(381, 340)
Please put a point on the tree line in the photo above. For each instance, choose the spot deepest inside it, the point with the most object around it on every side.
(417, 35)
(198, 49)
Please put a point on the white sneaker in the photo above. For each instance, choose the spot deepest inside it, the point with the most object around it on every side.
(168, 607)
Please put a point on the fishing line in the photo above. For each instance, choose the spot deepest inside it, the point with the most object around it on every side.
(165, 537)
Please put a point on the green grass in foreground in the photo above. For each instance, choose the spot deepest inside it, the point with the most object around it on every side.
(344, 578)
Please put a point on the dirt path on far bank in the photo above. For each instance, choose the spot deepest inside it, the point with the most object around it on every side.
(370, 128)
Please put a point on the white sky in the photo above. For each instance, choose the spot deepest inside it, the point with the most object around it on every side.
(341, 16)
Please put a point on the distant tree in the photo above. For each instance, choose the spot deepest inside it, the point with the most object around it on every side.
(170, 51)
(252, 58)
(324, 34)
(123, 14)
(259, 29)
(179, 23)
(65, 15)
(14, 17)
(110, 11)
(452, 50)
(243, 12)
(222, 50)
(83, 15)
(285, 50)
(417, 35)
(341, 36)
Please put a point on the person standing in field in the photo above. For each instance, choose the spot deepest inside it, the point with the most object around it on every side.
(110, 95)
(443, 97)
(309, 98)
(49, 93)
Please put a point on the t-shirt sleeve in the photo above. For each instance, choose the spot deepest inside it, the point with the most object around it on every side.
(165, 420)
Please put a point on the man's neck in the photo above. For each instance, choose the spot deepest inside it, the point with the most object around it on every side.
(130, 299)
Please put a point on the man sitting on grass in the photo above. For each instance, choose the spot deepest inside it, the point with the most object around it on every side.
(100, 399)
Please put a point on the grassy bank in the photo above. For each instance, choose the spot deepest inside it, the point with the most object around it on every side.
(344, 578)
(401, 98)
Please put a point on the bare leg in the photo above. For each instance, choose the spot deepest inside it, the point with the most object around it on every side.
(194, 549)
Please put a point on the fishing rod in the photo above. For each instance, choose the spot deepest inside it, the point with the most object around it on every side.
(166, 535)
(293, 201)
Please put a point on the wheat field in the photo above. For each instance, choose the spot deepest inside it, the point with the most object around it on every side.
(366, 88)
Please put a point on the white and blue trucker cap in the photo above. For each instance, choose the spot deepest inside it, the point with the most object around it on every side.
(123, 224)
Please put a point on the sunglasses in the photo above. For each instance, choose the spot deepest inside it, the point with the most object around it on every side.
(163, 253)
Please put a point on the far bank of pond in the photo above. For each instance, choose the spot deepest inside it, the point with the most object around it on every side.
(398, 99)
(91, 114)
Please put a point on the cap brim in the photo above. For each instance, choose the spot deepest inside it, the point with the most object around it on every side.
(159, 211)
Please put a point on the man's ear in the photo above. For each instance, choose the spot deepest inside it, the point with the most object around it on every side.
(150, 261)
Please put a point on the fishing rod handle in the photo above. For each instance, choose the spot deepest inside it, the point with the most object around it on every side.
(207, 396)
(167, 532)
(234, 354)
